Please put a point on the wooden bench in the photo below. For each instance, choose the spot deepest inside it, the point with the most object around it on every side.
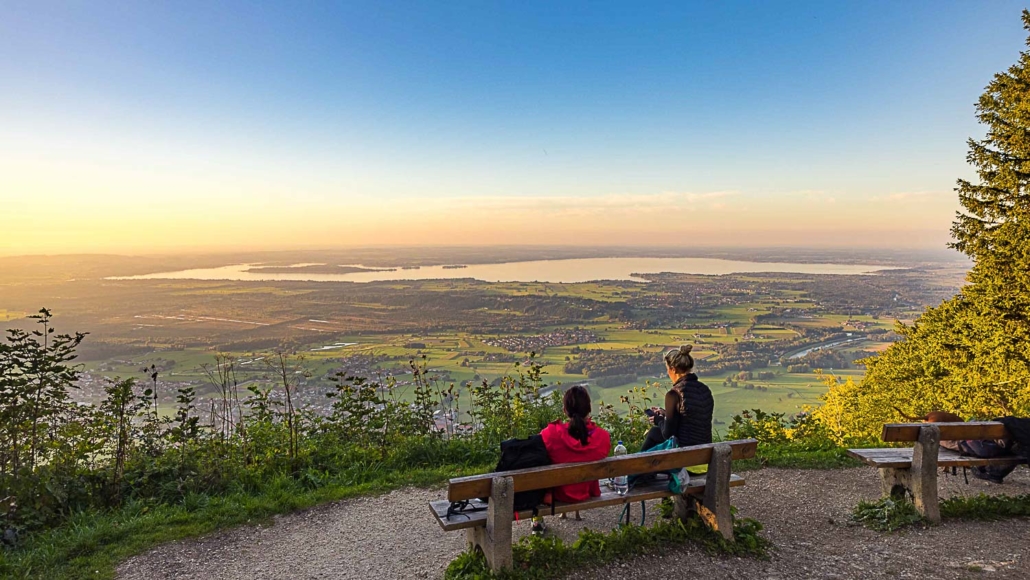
(490, 529)
(913, 470)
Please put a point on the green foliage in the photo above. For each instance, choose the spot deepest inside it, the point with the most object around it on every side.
(887, 514)
(92, 542)
(986, 507)
(631, 427)
(605, 363)
(65, 464)
(513, 408)
(800, 441)
(890, 514)
(970, 354)
(40, 427)
(537, 558)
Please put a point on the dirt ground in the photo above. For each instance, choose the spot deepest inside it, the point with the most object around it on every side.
(805, 514)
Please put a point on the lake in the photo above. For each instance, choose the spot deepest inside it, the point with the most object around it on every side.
(555, 271)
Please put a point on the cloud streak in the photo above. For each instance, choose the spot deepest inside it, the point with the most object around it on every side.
(640, 202)
(902, 196)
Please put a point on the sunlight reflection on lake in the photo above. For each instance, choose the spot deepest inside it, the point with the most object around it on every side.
(555, 271)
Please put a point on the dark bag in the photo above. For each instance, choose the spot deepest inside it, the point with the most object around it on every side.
(983, 448)
(987, 449)
(1019, 428)
(520, 454)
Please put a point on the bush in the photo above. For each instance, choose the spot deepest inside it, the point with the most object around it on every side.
(799, 441)
(887, 514)
(59, 458)
(632, 426)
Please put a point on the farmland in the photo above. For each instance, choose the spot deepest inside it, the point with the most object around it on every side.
(756, 336)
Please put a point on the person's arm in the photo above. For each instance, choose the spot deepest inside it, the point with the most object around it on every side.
(672, 416)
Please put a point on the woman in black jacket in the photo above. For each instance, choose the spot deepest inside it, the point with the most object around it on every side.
(688, 405)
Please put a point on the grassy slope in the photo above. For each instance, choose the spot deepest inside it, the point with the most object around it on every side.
(92, 544)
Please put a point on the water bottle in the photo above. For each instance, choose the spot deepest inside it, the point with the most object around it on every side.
(622, 481)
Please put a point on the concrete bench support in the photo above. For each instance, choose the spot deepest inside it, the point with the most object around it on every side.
(713, 506)
(920, 480)
(494, 539)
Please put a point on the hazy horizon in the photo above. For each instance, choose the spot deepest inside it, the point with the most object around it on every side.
(935, 253)
(139, 129)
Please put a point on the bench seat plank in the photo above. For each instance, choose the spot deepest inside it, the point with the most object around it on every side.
(654, 490)
(897, 432)
(902, 458)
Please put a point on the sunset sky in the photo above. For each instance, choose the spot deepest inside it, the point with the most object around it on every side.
(141, 126)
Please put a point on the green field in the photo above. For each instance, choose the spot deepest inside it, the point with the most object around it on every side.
(749, 321)
(785, 392)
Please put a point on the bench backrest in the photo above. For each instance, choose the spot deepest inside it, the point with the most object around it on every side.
(949, 431)
(463, 488)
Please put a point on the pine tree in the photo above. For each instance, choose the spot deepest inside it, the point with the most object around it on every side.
(994, 230)
(992, 321)
(971, 354)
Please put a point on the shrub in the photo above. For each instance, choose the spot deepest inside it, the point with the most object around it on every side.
(59, 458)
(887, 514)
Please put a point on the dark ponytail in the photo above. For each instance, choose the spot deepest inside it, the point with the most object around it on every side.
(577, 408)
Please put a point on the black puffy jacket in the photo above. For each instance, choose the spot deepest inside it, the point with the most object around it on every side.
(693, 427)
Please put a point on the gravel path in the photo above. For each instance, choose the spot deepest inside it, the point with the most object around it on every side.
(805, 514)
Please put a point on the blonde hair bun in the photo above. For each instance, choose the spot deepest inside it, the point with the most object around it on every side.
(680, 359)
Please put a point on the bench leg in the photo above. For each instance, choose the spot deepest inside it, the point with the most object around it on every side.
(714, 505)
(919, 481)
(924, 473)
(495, 538)
(896, 482)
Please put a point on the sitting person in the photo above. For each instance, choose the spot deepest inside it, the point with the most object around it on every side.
(688, 405)
(576, 441)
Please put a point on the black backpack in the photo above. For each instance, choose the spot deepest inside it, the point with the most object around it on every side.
(520, 454)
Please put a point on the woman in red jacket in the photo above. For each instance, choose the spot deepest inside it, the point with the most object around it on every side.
(576, 441)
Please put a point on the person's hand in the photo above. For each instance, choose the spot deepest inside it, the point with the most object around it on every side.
(655, 412)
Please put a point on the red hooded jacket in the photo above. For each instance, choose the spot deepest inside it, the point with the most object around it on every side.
(563, 448)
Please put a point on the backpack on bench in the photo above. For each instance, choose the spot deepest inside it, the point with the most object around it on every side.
(520, 454)
(985, 449)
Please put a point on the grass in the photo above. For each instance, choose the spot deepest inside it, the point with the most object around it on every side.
(797, 456)
(886, 514)
(892, 514)
(92, 543)
(540, 558)
(986, 507)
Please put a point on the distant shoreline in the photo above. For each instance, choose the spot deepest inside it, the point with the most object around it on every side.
(99, 266)
(563, 270)
(315, 269)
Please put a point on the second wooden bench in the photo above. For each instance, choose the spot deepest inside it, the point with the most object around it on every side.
(913, 470)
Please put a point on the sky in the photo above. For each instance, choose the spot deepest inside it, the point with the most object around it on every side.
(178, 126)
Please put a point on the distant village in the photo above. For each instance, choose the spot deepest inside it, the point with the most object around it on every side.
(539, 342)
